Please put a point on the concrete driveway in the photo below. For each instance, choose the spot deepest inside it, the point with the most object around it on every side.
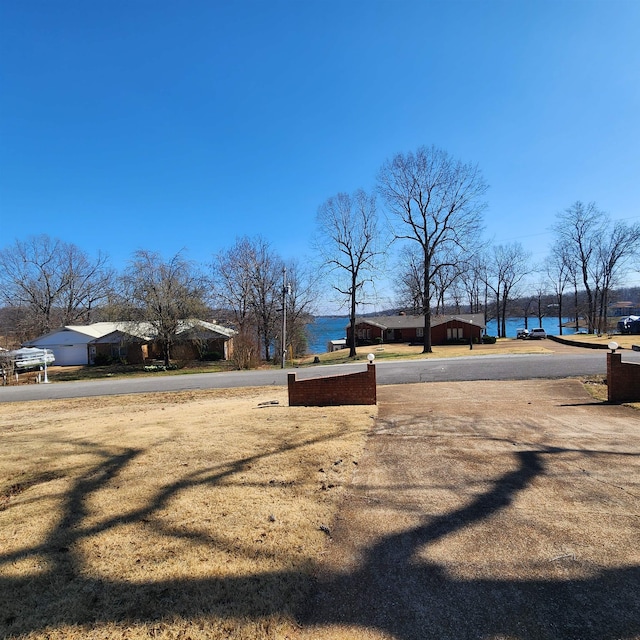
(488, 510)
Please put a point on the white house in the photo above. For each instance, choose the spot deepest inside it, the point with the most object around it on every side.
(70, 344)
(79, 344)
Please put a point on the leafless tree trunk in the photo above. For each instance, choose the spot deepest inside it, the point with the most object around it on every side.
(525, 312)
(265, 300)
(577, 230)
(510, 264)
(472, 280)
(541, 298)
(347, 242)
(437, 203)
(559, 276)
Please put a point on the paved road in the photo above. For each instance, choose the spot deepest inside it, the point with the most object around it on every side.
(566, 363)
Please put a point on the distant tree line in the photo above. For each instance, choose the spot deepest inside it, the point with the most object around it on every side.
(433, 205)
(46, 283)
(430, 219)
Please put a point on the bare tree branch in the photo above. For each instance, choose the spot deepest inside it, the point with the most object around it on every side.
(437, 203)
(348, 244)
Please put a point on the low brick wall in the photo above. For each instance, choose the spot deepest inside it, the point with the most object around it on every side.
(623, 379)
(351, 388)
(578, 343)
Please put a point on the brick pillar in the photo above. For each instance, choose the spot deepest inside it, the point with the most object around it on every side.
(371, 371)
(291, 385)
(613, 363)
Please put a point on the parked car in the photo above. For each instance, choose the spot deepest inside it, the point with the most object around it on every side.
(631, 324)
(537, 334)
(522, 334)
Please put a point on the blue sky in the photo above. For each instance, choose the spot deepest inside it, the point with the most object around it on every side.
(129, 124)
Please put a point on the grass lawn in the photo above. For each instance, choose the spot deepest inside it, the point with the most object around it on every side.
(180, 515)
(624, 341)
(414, 352)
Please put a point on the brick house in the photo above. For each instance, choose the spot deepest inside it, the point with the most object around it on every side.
(409, 328)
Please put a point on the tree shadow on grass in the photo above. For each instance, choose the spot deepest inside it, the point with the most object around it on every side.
(413, 599)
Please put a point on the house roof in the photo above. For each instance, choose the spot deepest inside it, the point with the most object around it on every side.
(86, 332)
(211, 327)
(95, 330)
(414, 322)
(145, 331)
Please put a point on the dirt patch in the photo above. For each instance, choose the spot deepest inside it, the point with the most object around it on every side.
(489, 510)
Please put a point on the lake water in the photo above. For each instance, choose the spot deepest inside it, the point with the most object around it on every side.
(550, 325)
(327, 328)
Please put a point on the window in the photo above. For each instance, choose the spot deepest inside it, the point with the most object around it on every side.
(454, 333)
(420, 332)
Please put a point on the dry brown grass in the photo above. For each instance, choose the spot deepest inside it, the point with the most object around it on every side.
(624, 341)
(596, 385)
(183, 515)
(410, 352)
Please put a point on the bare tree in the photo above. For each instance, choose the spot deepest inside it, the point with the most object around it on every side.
(265, 293)
(348, 245)
(473, 282)
(437, 202)
(162, 293)
(231, 282)
(247, 281)
(598, 252)
(541, 296)
(52, 281)
(559, 275)
(409, 285)
(509, 266)
(621, 243)
(526, 309)
(301, 298)
(446, 278)
(89, 284)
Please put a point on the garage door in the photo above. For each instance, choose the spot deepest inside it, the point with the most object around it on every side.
(68, 354)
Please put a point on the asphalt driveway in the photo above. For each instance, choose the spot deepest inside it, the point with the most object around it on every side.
(488, 510)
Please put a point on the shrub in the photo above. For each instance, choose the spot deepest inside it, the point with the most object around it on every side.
(211, 356)
(102, 360)
(488, 339)
(245, 351)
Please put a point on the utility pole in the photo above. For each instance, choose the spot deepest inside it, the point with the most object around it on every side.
(286, 288)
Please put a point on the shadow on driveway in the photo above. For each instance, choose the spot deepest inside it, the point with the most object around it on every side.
(492, 510)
